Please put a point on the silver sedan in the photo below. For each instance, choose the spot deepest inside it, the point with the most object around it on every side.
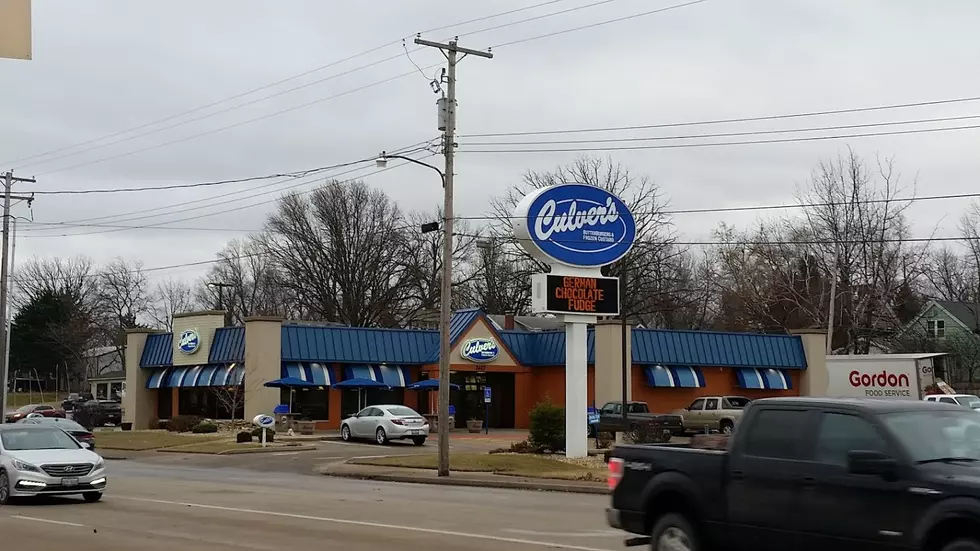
(45, 460)
(385, 423)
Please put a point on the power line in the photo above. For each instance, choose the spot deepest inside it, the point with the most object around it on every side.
(539, 17)
(600, 23)
(722, 144)
(682, 243)
(158, 225)
(730, 134)
(912, 199)
(203, 107)
(295, 174)
(182, 206)
(265, 87)
(238, 124)
(211, 114)
(730, 120)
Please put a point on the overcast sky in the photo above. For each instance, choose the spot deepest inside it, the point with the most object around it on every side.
(101, 67)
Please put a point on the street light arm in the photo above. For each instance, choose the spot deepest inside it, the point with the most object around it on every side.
(415, 161)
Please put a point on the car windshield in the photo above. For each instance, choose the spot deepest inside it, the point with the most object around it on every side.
(735, 402)
(399, 411)
(936, 435)
(26, 409)
(37, 438)
(969, 401)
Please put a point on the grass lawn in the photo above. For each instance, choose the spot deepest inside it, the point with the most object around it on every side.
(18, 399)
(536, 466)
(141, 440)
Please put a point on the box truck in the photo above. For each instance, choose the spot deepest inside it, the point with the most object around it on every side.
(896, 376)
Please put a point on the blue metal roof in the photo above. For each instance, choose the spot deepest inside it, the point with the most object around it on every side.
(228, 345)
(711, 348)
(542, 348)
(357, 345)
(158, 351)
(459, 324)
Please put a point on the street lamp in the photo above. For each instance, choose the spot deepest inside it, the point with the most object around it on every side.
(382, 162)
(445, 311)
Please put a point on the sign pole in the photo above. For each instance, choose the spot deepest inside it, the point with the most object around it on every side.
(576, 387)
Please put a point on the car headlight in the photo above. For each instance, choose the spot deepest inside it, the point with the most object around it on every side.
(25, 467)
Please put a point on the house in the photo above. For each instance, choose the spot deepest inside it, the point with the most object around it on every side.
(951, 327)
(110, 385)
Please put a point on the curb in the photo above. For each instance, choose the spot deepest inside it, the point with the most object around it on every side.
(279, 449)
(472, 483)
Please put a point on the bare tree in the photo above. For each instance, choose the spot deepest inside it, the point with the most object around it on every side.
(72, 276)
(256, 282)
(342, 254)
(423, 265)
(172, 296)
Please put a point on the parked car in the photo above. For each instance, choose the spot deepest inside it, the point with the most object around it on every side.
(713, 413)
(966, 400)
(611, 419)
(42, 409)
(810, 473)
(79, 432)
(68, 403)
(98, 413)
(44, 460)
(385, 423)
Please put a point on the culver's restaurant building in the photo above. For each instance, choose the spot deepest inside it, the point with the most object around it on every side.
(178, 373)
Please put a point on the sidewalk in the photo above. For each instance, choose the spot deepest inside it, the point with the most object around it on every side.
(480, 480)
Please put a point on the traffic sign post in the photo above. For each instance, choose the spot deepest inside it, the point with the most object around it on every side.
(487, 396)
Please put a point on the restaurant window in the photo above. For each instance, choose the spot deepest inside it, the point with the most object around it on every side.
(308, 404)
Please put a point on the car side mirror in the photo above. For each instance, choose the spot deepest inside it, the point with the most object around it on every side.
(86, 445)
(871, 462)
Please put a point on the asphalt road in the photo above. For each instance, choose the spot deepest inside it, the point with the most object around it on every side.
(305, 462)
(155, 506)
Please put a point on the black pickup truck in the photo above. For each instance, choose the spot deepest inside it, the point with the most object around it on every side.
(637, 413)
(810, 474)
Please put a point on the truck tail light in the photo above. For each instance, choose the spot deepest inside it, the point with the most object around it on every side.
(616, 466)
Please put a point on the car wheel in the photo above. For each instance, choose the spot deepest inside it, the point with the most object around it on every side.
(591, 431)
(673, 532)
(419, 440)
(727, 427)
(345, 433)
(4, 488)
(381, 436)
(92, 497)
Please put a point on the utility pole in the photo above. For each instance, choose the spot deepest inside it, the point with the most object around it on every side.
(8, 183)
(450, 50)
(221, 298)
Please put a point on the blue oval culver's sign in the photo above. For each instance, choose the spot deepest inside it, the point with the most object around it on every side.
(575, 224)
(480, 350)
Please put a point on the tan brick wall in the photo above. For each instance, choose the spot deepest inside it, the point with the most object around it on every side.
(139, 403)
(609, 361)
(205, 323)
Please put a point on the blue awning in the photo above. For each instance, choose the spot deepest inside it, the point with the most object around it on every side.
(228, 375)
(763, 379)
(317, 373)
(196, 376)
(674, 376)
(391, 375)
(156, 378)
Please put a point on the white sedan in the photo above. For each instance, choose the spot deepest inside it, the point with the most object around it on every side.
(386, 423)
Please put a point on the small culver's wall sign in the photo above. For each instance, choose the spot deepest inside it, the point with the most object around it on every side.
(189, 341)
(480, 350)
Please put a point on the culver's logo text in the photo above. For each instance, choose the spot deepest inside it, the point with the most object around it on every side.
(575, 224)
(480, 350)
(189, 341)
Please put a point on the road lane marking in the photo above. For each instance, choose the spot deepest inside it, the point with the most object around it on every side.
(349, 522)
(49, 521)
(284, 453)
(589, 534)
